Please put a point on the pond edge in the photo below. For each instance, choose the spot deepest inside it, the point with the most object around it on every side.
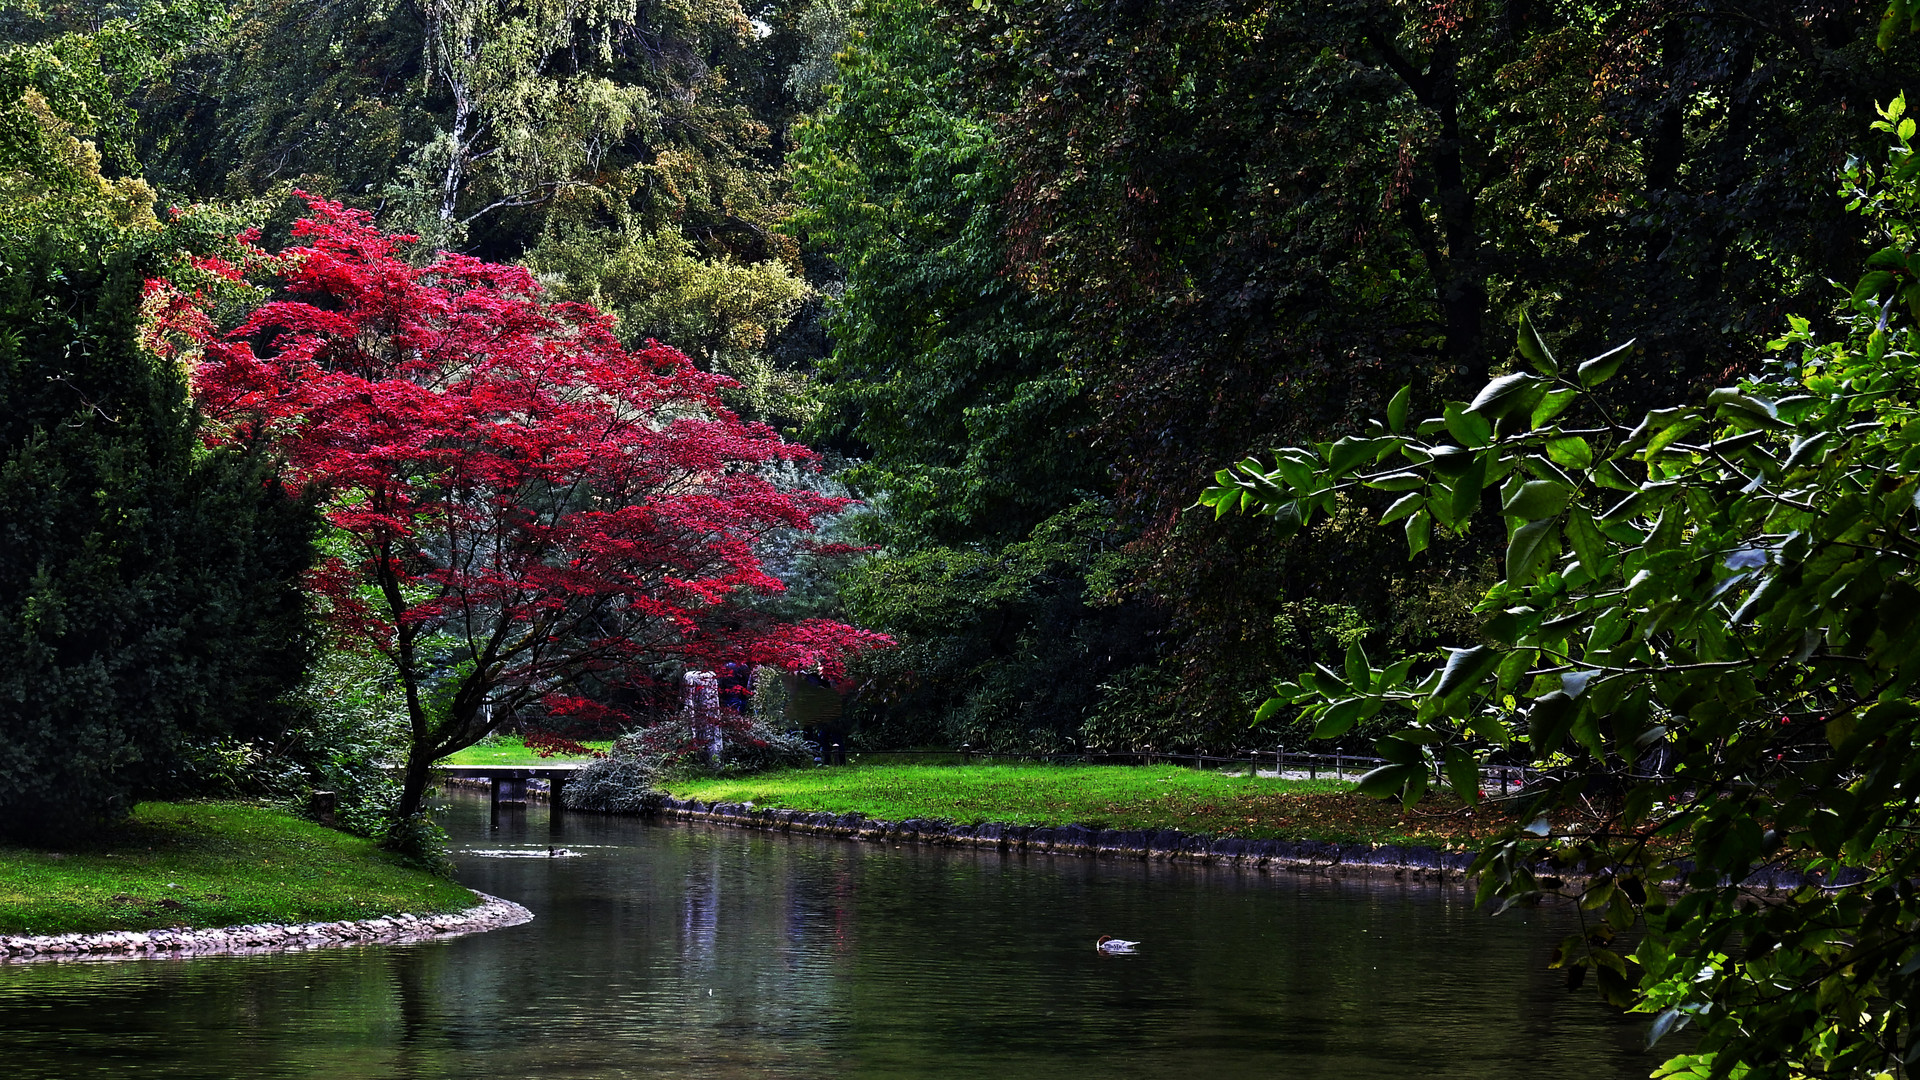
(492, 913)
(1391, 860)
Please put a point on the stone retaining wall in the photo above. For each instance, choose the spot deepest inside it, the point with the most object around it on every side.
(492, 914)
(1405, 863)
(1418, 863)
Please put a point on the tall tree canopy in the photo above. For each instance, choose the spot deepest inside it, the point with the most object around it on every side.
(948, 379)
(1259, 218)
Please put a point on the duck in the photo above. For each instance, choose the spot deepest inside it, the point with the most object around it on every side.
(1112, 945)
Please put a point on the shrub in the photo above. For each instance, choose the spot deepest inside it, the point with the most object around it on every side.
(625, 781)
(622, 782)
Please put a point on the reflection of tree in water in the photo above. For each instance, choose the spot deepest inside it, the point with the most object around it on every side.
(419, 1035)
(828, 959)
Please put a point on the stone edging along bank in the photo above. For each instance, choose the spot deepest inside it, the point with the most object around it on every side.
(493, 913)
(1401, 862)
(1417, 863)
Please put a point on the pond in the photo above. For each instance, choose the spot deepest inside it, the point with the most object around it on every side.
(672, 950)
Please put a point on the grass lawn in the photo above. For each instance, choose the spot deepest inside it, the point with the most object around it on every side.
(1107, 796)
(210, 864)
(507, 750)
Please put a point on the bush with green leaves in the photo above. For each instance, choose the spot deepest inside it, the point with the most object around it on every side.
(1706, 636)
(149, 587)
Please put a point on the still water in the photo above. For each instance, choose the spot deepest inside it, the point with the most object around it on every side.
(692, 951)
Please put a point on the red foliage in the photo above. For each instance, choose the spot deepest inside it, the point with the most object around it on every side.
(522, 500)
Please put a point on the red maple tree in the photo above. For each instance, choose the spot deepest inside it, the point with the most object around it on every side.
(528, 515)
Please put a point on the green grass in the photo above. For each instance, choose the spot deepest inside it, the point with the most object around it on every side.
(210, 864)
(508, 750)
(1103, 796)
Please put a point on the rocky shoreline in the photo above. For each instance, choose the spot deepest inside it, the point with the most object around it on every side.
(492, 913)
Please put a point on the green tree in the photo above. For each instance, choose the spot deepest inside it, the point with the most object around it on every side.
(632, 152)
(1259, 219)
(946, 379)
(149, 590)
(1704, 635)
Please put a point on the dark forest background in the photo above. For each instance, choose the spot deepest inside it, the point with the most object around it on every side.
(1029, 271)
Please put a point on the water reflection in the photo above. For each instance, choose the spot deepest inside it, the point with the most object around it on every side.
(681, 951)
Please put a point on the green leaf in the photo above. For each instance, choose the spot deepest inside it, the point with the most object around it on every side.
(1507, 393)
(1404, 505)
(1602, 367)
(1571, 452)
(1804, 450)
(1465, 496)
(1385, 781)
(1398, 481)
(1466, 667)
(1537, 499)
(1267, 709)
(1296, 467)
(1471, 428)
(1872, 285)
(1671, 433)
(1419, 532)
(1548, 721)
(1463, 774)
(1397, 409)
(1359, 671)
(1490, 728)
(1530, 548)
(1535, 350)
(1403, 748)
(1552, 404)
(1349, 452)
(1589, 545)
(1340, 716)
(1513, 667)
(1733, 404)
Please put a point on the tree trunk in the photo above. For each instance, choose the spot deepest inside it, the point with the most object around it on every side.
(1463, 290)
(413, 784)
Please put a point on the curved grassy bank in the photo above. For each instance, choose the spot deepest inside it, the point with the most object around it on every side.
(1106, 797)
(208, 865)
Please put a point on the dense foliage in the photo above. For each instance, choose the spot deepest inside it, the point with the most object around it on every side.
(528, 516)
(149, 593)
(1705, 631)
(1256, 219)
